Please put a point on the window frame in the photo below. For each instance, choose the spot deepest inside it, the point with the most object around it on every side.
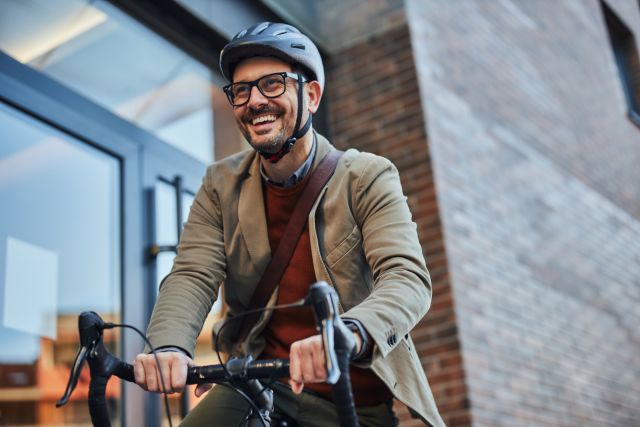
(626, 58)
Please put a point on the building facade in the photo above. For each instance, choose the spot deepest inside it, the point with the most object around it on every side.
(515, 126)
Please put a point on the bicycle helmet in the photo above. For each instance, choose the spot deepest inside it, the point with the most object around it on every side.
(282, 41)
(286, 43)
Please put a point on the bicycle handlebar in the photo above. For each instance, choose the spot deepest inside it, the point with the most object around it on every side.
(338, 341)
(339, 346)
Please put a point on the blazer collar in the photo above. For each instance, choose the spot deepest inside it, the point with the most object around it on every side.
(252, 218)
(322, 149)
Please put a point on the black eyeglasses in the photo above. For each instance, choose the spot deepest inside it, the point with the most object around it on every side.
(271, 86)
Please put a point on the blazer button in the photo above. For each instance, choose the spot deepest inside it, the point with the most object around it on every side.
(391, 340)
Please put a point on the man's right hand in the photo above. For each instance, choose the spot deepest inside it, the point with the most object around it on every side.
(173, 366)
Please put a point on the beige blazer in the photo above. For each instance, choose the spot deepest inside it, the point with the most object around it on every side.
(363, 243)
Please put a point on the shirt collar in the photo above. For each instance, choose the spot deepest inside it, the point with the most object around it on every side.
(298, 175)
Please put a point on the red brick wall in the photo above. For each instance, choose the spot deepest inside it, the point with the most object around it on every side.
(374, 106)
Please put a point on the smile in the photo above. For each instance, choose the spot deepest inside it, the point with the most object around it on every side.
(269, 118)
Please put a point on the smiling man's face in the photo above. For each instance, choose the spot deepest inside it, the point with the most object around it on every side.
(267, 123)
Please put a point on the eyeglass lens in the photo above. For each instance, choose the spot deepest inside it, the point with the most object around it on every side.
(271, 86)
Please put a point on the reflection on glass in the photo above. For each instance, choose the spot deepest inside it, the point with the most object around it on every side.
(165, 227)
(59, 255)
(166, 232)
(100, 52)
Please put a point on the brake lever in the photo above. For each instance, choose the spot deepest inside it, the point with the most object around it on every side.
(90, 327)
(73, 376)
(339, 346)
(336, 337)
(328, 342)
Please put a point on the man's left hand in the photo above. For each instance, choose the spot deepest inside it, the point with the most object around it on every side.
(307, 362)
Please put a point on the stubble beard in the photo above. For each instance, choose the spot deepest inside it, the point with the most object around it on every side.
(270, 145)
(273, 143)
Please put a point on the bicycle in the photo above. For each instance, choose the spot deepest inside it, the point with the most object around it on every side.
(241, 373)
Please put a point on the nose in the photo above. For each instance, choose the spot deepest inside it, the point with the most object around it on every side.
(256, 98)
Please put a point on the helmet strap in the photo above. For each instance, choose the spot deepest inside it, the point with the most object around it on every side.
(297, 132)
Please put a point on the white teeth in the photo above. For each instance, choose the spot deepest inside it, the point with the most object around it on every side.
(263, 119)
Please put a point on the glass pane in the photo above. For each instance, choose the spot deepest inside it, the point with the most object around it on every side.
(59, 256)
(105, 55)
(165, 227)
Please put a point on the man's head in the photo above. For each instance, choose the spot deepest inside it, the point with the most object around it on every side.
(277, 79)
(265, 91)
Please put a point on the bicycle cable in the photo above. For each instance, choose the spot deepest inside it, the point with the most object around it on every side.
(299, 303)
(109, 325)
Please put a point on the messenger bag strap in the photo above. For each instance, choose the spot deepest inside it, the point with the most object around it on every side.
(280, 260)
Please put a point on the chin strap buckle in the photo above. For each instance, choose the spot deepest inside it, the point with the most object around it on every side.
(275, 157)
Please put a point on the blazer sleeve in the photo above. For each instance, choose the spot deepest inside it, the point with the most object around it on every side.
(188, 292)
(401, 293)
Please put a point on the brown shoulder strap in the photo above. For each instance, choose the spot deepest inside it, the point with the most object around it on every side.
(280, 260)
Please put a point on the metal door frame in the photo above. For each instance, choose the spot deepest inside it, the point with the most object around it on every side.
(140, 154)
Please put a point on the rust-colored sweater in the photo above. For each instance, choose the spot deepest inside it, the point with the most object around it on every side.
(290, 325)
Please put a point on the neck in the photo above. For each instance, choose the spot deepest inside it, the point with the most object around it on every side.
(284, 168)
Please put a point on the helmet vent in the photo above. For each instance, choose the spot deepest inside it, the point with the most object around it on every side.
(298, 46)
(260, 28)
(277, 33)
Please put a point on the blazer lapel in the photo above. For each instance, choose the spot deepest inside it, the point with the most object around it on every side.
(323, 148)
(252, 218)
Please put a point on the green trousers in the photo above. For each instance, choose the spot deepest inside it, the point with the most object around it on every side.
(223, 407)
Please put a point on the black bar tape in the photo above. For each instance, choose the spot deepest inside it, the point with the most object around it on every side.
(124, 371)
(98, 403)
(257, 369)
(343, 395)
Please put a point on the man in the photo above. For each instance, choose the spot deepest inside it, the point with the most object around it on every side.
(359, 238)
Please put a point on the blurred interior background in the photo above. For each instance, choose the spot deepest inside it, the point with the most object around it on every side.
(515, 126)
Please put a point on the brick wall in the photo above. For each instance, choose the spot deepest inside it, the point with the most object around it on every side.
(535, 162)
(338, 24)
(374, 106)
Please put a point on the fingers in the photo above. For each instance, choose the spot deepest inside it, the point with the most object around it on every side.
(177, 378)
(319, 364)
(307, 363)
(173, 371)
(296, 387)
(138, 372)
(295, 372)
(164, 377)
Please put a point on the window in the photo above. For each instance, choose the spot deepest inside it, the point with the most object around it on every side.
(103, 54)
(627, 60)
(60, 239)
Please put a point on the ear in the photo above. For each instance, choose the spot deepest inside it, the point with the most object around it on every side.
(314, 93)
